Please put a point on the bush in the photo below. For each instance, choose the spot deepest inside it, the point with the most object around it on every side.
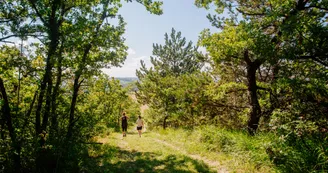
(300, 151)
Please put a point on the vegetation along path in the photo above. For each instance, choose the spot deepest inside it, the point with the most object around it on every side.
(149, 153)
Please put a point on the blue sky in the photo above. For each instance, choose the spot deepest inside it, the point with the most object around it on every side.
(143, 29)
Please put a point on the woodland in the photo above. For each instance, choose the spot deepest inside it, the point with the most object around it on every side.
(264, 75)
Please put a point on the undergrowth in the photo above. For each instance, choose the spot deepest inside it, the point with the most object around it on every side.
(234, 149)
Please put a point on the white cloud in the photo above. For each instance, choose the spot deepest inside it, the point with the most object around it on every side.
(120, 72)
(131, 51)
(134, 62)
(202, 49)
(129, 67)
(131, 64)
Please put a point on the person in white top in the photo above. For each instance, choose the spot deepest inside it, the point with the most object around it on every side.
(140, 124)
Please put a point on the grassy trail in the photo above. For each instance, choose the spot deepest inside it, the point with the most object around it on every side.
(149, 153)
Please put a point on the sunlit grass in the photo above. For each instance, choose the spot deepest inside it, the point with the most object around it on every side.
(145, 154)
(235, 151)
(205, 149)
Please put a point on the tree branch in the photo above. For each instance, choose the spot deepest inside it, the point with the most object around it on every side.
(6, 112)
(261, 88)
(9, 36)
(32, 2)
(316, 59)
(80, 83)
(7, 42)
(246, 57)
(314, 6)
(5, 21)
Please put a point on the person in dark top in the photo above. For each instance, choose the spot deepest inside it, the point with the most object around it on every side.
(124, 120)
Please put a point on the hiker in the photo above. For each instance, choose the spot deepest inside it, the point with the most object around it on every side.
(124, 120)
(140, 124)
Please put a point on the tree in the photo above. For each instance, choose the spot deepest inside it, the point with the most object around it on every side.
(176, 57)
(13, 17)
(75, 42)
(297, 32)
(244, 48)
(53, 23)
(158, 85)
(8, 56)
(289, 28)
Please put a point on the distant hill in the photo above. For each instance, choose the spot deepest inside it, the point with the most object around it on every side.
(127, 80)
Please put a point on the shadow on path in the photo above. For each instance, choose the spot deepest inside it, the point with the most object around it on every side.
(116, 160)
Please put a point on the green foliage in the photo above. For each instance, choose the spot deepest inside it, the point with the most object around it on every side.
(234, 149)
(168, 86)
(288, 37)
(302, 123)
(175, 57)
(301, 147)
(54, 98)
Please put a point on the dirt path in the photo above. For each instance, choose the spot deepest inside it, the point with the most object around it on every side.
(150, 154)
(211, 163)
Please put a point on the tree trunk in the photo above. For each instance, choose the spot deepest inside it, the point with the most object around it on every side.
(79, 71)
(164, 122)
(119, 116)
(54, 122)
(40, 99)
(47, 106)
(255, 114)
(7, 117)
(54, 34)
(53, 23)
(28, 114)
(76, 88)
(2, 127)
(166, 114)
(72, 109)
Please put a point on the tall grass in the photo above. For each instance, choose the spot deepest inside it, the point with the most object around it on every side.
(264, 152)
(306, 153)
(234, 149)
